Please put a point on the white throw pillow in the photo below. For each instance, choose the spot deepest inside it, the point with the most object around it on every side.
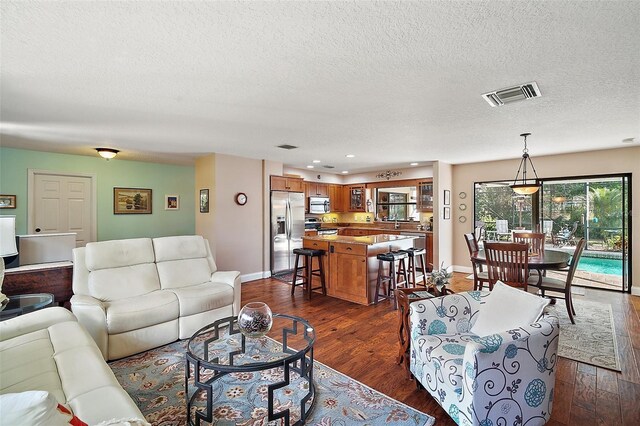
(31, 408)
(507, 308)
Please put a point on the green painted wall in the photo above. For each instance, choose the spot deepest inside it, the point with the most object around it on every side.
(161, 178)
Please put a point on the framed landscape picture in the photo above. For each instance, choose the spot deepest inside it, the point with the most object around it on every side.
(204, 201)
(171, 202)
(7, 201)
(131, 201)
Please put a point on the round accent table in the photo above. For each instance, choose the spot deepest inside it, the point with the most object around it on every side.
(219, 349)
(24, 303)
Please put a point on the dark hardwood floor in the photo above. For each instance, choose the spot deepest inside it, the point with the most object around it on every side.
(361, 342)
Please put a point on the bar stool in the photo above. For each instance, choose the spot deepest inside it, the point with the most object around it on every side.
(307, 270)
(390, 279)
(413, 254)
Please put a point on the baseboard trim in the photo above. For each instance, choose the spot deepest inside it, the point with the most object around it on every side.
(635, 291)
(464, 269)
(255, 276)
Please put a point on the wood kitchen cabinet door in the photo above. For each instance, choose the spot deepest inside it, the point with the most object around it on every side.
(425, 196)
(315, 189)
(348, 274)
(336, 197)
(356, 198)
(282, 183)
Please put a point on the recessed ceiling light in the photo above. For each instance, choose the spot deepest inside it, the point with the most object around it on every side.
(316, 161)
(344, 172)
(628, 140)
(349, 155)
(413, 164)
(309, 167)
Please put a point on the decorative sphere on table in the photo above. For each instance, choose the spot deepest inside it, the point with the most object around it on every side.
(255, 319)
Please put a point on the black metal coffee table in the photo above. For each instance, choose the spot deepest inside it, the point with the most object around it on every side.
(220, 349)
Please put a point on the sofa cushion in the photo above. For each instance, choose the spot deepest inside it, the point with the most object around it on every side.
(203, 297)
(182, 273)
(179, 248)
(138, 312)
(118, 253)
(124, 282)
(26, 363)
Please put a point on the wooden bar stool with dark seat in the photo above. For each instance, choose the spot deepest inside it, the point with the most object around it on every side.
(414, 254)
(389, 278)
(307, 271)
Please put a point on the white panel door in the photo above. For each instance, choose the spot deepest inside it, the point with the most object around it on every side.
(62, 204)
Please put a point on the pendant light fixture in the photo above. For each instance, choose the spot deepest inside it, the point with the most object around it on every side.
(107, 153)
(521, 186)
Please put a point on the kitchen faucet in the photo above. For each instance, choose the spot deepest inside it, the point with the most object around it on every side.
(396, 226)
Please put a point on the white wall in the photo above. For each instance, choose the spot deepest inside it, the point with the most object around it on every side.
(624, 160)
(442, 228)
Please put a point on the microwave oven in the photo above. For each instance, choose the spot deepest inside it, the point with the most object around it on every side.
(319, 205)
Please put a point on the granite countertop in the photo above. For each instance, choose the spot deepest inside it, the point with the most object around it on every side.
(366, 240)
(376, 228)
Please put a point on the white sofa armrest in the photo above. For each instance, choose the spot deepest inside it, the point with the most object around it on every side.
(231, 278)
(91, 314)
(34, 321)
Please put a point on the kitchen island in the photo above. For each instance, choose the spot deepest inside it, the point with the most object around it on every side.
(351, 267)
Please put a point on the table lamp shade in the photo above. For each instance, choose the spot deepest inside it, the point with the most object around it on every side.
(8, 236)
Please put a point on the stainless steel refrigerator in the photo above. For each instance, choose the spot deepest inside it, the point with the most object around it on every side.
(287, 229)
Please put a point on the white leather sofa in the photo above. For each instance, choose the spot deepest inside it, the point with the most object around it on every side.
(137, 294)
(48, 350)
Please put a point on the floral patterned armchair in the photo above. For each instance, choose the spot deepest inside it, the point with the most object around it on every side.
(501, 379)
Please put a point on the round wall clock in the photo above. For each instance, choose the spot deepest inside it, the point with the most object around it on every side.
(241, 198)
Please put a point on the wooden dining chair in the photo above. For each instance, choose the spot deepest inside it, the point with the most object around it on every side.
(560, 286)
(507, 262)
(535, 241)
(480, 277)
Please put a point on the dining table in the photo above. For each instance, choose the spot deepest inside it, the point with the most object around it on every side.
(547, 260)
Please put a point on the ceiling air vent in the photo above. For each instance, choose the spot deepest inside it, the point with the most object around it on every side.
(285, 146)
(326, 166)
(512, 94)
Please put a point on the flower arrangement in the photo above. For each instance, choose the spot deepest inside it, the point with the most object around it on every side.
(440, 277)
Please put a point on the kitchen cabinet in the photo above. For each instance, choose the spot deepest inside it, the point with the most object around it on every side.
(315, 189)
(336, 198)
(310, 232)
(288, 184)
(352, 269)
(425, 196)
(357, 198)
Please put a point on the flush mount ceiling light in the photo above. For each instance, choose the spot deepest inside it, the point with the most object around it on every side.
(512, 94)
(523, 187)
(107, 153)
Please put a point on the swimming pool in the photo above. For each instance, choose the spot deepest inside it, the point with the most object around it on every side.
(600, 265)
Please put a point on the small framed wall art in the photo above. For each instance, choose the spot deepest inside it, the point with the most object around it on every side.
(204, 200)
(447, 197)
(447, 213)
(172, 202)
(132, 201)
(7, 201)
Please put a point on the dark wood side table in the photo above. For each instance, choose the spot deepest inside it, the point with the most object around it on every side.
(54, 278)
(405, 296)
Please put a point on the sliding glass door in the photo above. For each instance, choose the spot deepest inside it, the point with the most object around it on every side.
(595, 208)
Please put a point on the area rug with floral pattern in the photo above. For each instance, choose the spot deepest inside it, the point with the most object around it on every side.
(155, 380)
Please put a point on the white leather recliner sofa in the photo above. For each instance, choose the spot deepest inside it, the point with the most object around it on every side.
(137, 294)
(47, 350)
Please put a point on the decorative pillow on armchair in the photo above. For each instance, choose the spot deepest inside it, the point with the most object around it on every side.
(507, 308)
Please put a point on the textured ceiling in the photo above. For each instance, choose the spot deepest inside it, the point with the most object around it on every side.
(391, 82)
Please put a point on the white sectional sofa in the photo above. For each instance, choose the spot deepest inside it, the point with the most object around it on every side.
(48, 350)
(137, 294)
